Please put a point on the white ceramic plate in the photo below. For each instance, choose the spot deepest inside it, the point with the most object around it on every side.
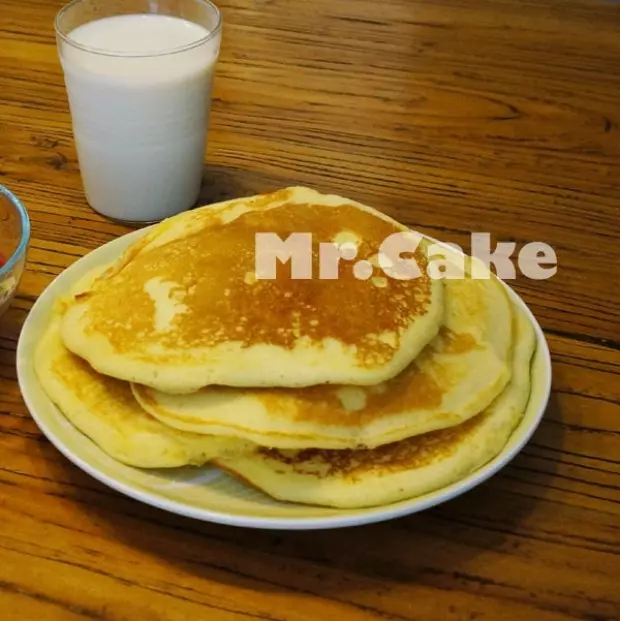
(207, 493)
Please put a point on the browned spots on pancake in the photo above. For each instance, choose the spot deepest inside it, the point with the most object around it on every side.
(413, 389)
(457, 343)
(409, 454)
(210, 267)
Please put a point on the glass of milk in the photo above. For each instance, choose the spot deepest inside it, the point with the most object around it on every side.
(138, 75)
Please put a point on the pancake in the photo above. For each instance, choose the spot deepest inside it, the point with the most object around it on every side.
(183, 307)
(398, 471)
(456, 376)
(105, 410)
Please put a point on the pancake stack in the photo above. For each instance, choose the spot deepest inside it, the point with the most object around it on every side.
(357, 389)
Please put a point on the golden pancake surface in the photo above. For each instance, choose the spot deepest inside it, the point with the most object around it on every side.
(184, 308)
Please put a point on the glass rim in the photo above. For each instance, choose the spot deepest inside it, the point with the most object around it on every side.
(66, 36)
(25, 234)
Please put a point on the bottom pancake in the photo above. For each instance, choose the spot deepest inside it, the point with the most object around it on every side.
(401, 470)
(105, 410)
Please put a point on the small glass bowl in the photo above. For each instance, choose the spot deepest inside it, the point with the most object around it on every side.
(14, 241)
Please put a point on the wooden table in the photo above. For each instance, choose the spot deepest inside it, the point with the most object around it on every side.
(452, 115)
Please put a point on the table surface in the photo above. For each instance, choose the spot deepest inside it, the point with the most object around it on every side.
(451, 115)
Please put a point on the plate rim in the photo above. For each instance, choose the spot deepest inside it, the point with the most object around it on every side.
(362, 516)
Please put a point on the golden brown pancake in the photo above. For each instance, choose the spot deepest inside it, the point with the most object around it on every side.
(183, 308)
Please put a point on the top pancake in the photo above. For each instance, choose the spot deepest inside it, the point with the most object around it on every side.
(183, 309)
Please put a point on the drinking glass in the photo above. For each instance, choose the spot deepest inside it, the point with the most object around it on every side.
(139, 75)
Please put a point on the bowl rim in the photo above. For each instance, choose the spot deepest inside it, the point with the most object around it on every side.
(25, 236)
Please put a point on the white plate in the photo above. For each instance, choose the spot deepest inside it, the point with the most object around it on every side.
(207, 493)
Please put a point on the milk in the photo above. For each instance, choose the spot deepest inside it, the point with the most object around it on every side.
(140, 115)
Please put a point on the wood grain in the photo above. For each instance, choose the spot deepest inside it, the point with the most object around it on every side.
(453, 116)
